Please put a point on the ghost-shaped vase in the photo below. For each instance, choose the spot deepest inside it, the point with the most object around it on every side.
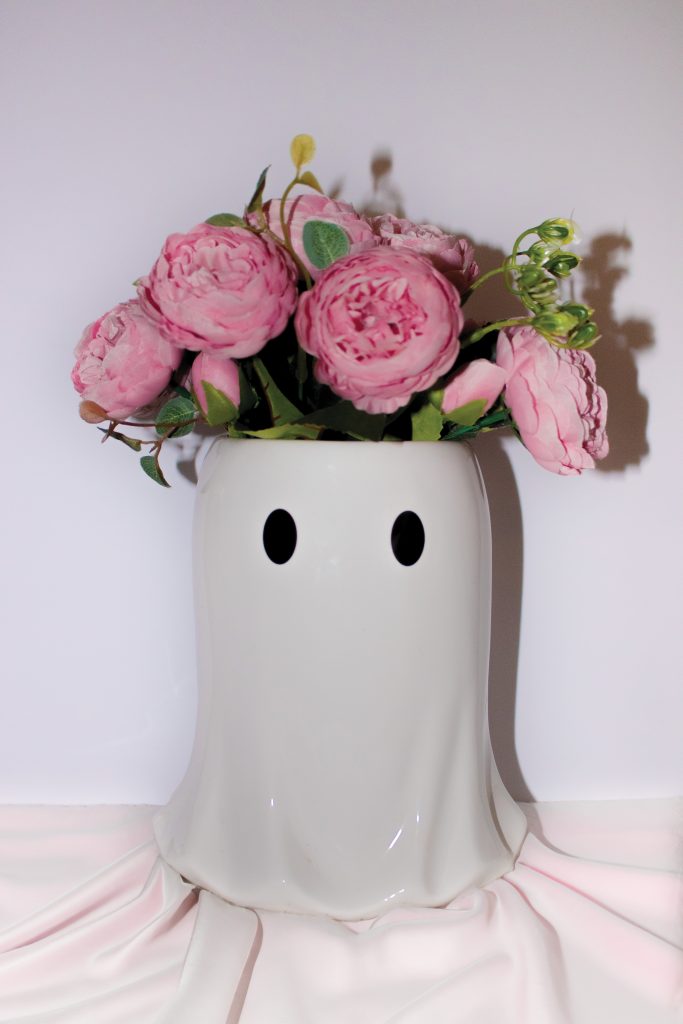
(342, 762)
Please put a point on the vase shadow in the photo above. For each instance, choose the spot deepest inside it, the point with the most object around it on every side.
(506, 606)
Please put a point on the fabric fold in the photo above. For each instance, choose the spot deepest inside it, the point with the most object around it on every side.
(95, 928)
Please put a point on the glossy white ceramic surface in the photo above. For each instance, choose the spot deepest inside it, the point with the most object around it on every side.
(342, 762)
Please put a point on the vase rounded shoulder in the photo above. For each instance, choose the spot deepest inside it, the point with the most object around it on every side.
(342, 762)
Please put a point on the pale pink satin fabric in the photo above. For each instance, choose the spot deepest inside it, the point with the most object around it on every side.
(587, 929)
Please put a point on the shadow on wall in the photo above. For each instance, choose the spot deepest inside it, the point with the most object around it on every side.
(616, 353)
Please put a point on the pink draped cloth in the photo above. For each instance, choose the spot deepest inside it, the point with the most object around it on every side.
(587, 929)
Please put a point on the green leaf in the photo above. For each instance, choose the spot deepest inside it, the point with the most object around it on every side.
(181, 391)
(309, 178)
(225, 220)
(324, 242)
(248, 396)
(153, 470)
(178, 411)
(281, 409)
(346, 419)
(287, 432)
(256, 201)
(468, 414)
(219, 408)
(132, 442)
(427, 423)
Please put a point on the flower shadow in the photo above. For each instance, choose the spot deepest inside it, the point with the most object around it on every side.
(602, 270)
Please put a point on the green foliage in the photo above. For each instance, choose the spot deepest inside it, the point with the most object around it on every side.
(427, 423)
(176, 418)
(324, 242)
(219, 408)
(344, 418)
(468, 414)
(282, 410)
(308, 178)
(130, 442)
(153, 470)
(287, 431)
(256, 201)
(225, 220)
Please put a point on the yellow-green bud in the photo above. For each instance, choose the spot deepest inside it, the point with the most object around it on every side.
(557, 323)
(556, 230)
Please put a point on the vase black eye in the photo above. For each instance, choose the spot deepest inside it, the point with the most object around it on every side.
(407, 538)
(279, 536)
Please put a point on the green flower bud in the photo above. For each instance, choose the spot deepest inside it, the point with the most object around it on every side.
(584, 335)
(562, 264)
(544, 289)
(557, 230)
(540, 252)
(576, 309)
(557, 323)
(529, 276)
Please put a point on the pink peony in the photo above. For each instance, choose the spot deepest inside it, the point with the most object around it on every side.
(221, 290)
(480, 380)
(382, 325)
(317, 207)
(555, 401)
(122, 361)
(453, 257)
(221, 373)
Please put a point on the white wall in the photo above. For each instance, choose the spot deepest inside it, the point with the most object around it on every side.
(123, 121)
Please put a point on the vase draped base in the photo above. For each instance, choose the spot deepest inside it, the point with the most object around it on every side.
(342, 762)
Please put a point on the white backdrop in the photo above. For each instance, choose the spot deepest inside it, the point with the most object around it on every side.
(125, 120)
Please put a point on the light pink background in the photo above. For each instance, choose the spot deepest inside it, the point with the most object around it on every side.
(123, 121)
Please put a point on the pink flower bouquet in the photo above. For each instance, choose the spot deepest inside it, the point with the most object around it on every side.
(301, 318)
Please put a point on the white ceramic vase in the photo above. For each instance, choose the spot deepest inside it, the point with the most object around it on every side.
(342, 762)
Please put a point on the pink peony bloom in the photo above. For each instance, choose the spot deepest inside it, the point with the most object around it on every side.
(555, 401)
(123, 362)
(221, 373)
(480, 380)
(317, 207)
(453, 257)
(382, 325)
(220, 290)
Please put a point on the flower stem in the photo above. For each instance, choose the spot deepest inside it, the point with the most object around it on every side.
(480, 280)
(287, 235)
(494, 420)
(496, 326)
